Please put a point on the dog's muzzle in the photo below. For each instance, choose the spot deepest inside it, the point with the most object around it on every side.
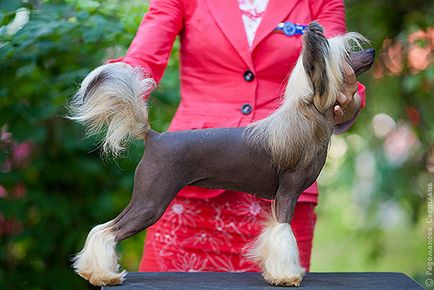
(361, 61)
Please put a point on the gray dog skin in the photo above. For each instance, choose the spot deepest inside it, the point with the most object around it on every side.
(219, 158)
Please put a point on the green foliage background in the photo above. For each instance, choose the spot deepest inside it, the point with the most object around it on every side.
(54, 195)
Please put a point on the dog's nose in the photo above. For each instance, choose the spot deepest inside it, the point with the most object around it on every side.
(370, 50)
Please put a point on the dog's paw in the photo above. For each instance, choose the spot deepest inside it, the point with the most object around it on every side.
(293, 281)
(104, 279)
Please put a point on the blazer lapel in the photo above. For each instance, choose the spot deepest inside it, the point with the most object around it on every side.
(276, 11)
(228, 17)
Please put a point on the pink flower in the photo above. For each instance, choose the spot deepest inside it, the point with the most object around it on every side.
(413, 115)
(5, 136)
(2, 225)
(12, 226)
(390, 59)
(394, 58)
(420, 56)
(21, 152)
(400, 144)
(3, 192)
(7, 165)
(19, 190)
(9, 226)
(416, 52)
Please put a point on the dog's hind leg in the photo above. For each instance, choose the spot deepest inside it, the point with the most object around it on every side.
(98, 260)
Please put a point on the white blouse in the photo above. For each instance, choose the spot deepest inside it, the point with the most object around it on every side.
(251, 13)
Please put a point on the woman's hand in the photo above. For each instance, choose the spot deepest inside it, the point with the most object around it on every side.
(348, 103)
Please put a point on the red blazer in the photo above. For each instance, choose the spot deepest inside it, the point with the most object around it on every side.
(223, 83)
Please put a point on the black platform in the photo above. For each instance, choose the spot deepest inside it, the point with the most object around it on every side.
(312, 281)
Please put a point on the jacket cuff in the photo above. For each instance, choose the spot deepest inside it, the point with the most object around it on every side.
(341, 128)
(146, 71)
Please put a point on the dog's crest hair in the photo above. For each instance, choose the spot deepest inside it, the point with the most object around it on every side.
(312, 88)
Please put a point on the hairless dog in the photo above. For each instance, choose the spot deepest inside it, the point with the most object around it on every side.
(275, 158)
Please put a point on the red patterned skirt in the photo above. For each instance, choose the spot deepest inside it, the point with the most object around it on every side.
(196, 235)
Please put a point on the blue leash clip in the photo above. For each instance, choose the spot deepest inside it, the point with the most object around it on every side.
(289, 29)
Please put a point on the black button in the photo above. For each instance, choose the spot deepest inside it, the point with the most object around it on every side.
(246, 109)
(248, 76)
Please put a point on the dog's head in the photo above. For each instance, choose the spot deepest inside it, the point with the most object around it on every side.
(299, 131)
(323, 62)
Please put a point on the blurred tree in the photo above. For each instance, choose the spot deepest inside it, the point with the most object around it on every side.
(53, 184)
(374, 189)
(400, 100)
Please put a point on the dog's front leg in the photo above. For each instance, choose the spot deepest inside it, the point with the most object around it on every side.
(276, 249)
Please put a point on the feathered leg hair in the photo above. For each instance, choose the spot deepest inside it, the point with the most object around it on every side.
(276, 252)
(98, 260)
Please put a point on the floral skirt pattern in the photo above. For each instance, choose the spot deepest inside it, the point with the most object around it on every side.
(196, 235)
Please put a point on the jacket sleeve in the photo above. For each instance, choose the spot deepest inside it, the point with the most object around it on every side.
(150, 48)
(331, 15)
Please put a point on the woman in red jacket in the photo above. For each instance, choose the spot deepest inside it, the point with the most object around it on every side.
(234, 59)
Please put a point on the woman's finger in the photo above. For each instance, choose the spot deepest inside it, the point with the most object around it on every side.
(338, 111)
(343, 100)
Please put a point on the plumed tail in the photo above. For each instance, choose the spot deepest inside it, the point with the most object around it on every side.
(111, 99)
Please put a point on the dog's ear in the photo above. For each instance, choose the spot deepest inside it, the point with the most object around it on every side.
(315, 51)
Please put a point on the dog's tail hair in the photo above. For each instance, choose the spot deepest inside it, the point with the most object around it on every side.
(111, 98)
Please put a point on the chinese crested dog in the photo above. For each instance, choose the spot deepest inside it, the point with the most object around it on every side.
(275, 158)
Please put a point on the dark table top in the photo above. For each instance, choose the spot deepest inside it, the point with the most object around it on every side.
(312, 281)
